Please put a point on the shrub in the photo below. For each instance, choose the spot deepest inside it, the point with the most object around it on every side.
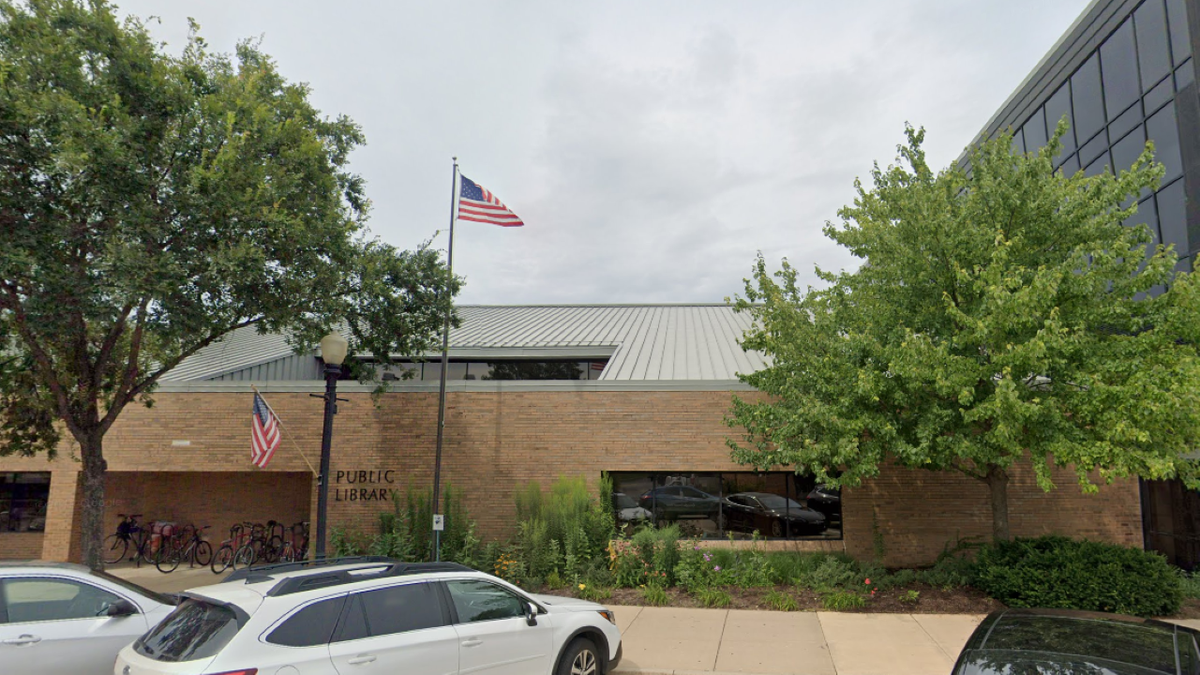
(950, 571)
(566, 531)
(782, 602)
(910, 597)
(712, 596)
(830, 572)
(654, 595)
(1189, 584)
(1069, 574)
(700, 568)
(840, 601)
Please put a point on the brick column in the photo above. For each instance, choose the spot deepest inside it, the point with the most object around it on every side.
(61, 542)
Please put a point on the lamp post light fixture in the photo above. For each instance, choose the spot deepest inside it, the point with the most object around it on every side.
(333, 352)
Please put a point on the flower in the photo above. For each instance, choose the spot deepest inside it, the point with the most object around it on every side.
(872, 592)
(696, 547)
(867, 582)
(717, 568)
(582, 586)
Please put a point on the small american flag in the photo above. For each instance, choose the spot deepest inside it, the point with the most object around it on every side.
(264, 433)
(476, 203)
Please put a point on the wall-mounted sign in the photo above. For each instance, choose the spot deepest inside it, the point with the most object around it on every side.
(439, 522)
(362, 478)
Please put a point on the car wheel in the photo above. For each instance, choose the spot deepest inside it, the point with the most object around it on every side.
(580, 658)
(776, 528)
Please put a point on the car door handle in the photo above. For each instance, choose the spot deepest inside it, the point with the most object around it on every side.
(23, 640)
(473, 642)
(362, 659)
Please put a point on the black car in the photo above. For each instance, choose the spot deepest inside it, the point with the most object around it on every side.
(828, 501)
(674, 502)
(1060, 641)
(771, 515)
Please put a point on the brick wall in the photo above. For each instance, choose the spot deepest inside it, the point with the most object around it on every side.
(495, 442)
(20, 545)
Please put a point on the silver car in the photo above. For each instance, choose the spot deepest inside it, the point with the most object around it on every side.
(64, 619)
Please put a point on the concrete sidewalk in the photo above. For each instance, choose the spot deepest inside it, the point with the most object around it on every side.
(676, 640)
(688, 641)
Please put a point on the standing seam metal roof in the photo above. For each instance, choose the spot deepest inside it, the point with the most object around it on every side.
(647, 342)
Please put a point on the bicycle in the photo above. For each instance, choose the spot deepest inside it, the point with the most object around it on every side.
(196, 550)
(290, 551)
(225, 554)
(128, 532)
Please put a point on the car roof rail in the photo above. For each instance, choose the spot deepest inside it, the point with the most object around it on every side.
(363, 567)
(263, 571)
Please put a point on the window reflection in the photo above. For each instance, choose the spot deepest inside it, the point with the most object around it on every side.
(1118, 59)
(23, 499)
(1152, 44)
(1181, 46)
(1162, 130)
(774, 505)
(1087, 101)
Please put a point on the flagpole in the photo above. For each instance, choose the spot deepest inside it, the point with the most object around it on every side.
(437, 458)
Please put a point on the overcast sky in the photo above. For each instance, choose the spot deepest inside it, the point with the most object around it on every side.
(652, 148)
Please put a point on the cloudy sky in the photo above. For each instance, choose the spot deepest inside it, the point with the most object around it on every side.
(651, 147)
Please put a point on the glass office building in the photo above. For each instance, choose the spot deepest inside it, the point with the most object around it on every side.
(1123, 73)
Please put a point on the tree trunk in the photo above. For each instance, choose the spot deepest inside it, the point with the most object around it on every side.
(997, 482)
(91, 527)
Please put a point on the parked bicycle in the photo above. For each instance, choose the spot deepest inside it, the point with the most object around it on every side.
(223, 558)
(192, 548)
(129, 533)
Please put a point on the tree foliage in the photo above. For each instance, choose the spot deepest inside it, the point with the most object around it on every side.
(1000, 315)
(152, 203)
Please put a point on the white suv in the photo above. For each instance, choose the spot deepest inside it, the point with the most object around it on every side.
(373, 615)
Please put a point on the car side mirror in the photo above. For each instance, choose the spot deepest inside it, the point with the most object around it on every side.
(531, 612)
(121, 607)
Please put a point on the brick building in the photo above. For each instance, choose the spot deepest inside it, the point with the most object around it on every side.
(648, 390)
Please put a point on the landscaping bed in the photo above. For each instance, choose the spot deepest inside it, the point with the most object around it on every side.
(932, 600)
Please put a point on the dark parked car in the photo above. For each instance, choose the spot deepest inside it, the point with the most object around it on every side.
(1043, 641)
(673, 502)
(771, 515)
(827, 501)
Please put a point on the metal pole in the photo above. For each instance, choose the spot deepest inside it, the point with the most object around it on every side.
(437, 458)
(332, 373)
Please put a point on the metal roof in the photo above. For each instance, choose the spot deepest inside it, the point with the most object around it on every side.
(641, 342)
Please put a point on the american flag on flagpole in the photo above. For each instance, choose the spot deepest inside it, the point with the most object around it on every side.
(264, 433)
(477, 204)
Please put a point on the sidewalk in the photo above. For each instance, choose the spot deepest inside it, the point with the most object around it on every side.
(663, 640)
(688, 641)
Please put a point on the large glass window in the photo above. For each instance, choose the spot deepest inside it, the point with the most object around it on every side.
(1058, 106)
(775, 505)
(1127, 150)
(1159, 95)
(23, 499)
(1126, 121)
(1118, 59)
(1162, 130)
(1181, 48)
(1087, 101)
(1172, 217)
(1034, 131)
(1093, 148)
(1154, 56)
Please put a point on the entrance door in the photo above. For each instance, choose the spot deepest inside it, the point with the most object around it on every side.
(1171, 521)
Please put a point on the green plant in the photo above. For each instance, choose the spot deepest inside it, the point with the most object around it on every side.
(830, 572)
(910, 597)
(566, 530)
(840, 601)
(345, 543)
(782, 602)
(950, 571)
(750, 567)
(654, 595)
(712, 596)
(1189, 585)
(594, 592)
(1078, 574)
(701, 568)
(554, 582)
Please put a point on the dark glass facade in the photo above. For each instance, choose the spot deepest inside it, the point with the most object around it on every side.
(23, 499)
(500, 369)
(717, 505)
(1123, 76)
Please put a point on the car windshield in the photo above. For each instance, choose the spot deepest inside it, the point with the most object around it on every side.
(140, 590)
(1133, 643)
(195, 630)
(779, 503)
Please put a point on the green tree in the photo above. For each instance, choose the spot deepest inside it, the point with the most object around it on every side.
(1003, 314)
(150, 204)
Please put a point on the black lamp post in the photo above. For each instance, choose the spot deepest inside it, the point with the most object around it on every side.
(333, 352)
